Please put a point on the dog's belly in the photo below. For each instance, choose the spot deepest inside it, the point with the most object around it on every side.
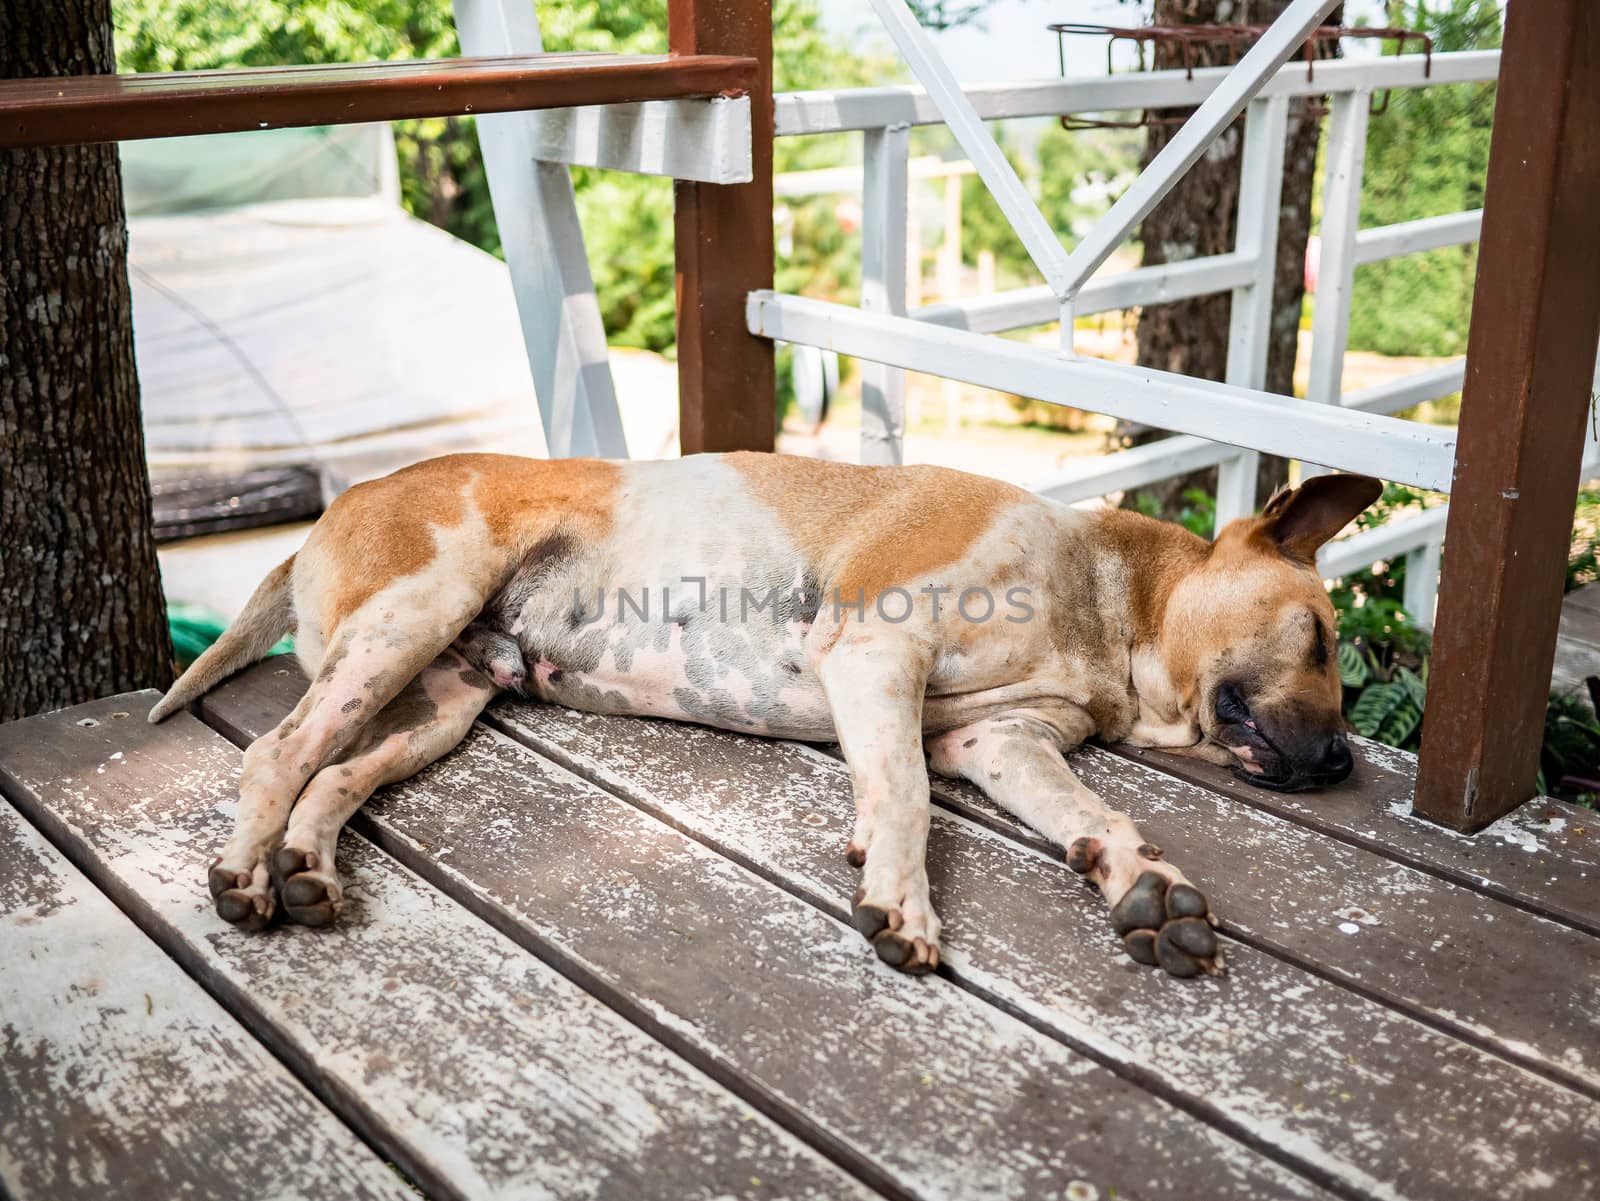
(692, 610)
(753, 680)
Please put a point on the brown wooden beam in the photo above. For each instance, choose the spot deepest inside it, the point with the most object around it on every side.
(1530, 362)
(113, 108)
(724, 251)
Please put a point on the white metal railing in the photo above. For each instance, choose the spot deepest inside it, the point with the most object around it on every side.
(1214, 424)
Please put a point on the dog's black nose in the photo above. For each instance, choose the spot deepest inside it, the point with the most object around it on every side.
(1336, 760)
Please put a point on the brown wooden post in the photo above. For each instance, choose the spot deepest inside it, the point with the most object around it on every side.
(1530, 361)
(724, 251)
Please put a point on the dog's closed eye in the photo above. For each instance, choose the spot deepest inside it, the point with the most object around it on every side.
(1320, 643)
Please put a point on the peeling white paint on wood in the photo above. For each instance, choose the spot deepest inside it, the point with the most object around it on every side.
(1544, 855)
(481, 1070)
(120, 1077)
(1301, 1063)
(950, 1097)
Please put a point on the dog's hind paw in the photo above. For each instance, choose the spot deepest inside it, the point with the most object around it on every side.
(311, 896)
(242, 898)
(906, 937)
(1167, 926)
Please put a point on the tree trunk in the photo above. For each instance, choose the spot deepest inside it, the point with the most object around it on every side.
(1196, 219)
(81, 610)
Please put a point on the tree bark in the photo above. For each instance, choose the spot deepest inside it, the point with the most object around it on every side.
(81, 608)
(1197, 218)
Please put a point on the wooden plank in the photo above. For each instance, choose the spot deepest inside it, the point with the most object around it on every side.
(116, 1067)
(723, 248)
(1272, 1052)
(1530, 359)
(1268, 1030)
(1543, 857)
(944, 1095)
(113, 108)
(473, 1065)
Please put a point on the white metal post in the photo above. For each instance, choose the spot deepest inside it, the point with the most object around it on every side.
(1250, 321)
(1422, 582)
(543, 243)
(883, 285)
(1336, 268)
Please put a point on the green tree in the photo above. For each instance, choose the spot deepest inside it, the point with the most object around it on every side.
(1428, 154)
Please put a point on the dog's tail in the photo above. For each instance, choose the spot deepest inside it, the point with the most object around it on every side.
(267, 617)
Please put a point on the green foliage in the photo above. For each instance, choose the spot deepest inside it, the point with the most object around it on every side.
(1383, 657)
(1427, 155)
(1198, 513)
(1583, 560)
(1075, 177)
(1569, 760)
(947, 14)
(627, 219)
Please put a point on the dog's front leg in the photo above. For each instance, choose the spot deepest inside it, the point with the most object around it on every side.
(1017, 761)
(875, 684)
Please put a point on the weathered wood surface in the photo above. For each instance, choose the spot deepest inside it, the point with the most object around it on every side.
(120, 1077)
(1544, 857)
(926, 1089)
(475, 1066)
(1274, 1052)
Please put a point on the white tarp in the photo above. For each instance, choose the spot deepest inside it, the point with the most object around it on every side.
(286, 309)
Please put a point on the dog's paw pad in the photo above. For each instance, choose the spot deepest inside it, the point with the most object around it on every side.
(1083, 855)
(872, 920)
(1169, 927)
(220, 880)
(249, 911)
(1142, 906)
(311, 899)
(916, 956)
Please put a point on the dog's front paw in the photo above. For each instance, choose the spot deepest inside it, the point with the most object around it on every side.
(904, 931)
(1162, 919)
(1167, 925)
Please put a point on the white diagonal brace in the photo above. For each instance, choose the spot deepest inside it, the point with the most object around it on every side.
(926, 63)
(1270, 52)
(543, 243)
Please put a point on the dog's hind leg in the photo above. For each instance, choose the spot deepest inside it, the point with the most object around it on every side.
(1016, 759)
(875, 684)
(369, 660)
(426, 720)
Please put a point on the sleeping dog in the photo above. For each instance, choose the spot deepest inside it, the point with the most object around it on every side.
(920, 617)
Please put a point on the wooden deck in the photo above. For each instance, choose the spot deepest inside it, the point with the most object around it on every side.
(611, 958)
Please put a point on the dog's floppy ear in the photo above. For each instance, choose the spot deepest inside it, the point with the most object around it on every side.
(1299, 522)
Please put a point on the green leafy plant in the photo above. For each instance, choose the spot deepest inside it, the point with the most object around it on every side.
(1198, 513)
(1569, 759)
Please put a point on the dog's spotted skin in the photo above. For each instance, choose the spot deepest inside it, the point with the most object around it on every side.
(752, 597)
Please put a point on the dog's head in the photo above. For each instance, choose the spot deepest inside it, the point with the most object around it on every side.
(1249, 635)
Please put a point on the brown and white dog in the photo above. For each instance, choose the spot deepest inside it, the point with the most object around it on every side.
(899, 610)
